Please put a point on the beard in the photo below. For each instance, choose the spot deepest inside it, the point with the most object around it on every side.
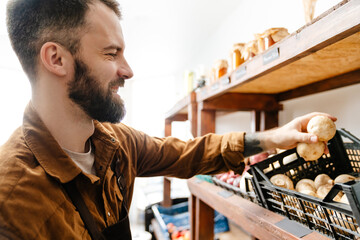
(99, 104)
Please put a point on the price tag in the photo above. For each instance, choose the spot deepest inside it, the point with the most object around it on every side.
(203, 92)
(271, 55)
(225, 194)
(240, 72)
(215, 86)
(225, 81)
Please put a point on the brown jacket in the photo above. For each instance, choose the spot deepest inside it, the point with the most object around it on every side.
(33, 167)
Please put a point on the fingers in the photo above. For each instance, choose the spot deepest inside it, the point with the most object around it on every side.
(313, 114)
(306, 137)
(304, 120)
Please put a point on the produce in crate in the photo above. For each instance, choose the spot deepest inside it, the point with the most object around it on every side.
(322, 179)
(336, 220)
(323, 190)
(324, 128)
(344, 199)
(343, 178)
(306, 186)
(282, 180)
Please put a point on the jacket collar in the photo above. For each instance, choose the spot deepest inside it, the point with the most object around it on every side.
(48, 152)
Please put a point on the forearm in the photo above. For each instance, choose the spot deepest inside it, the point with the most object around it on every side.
(258, 142)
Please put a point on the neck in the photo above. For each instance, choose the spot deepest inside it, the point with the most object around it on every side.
(67, 122)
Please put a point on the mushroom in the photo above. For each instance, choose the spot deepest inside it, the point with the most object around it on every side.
(344, 199)
(282, 180)
(343, 178)
(305, 184)
(322, 126)
(322, 179)
(323, 190)
(310, 151)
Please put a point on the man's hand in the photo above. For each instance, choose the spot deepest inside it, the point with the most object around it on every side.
(285, 137)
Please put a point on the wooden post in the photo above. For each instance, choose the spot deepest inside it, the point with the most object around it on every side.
(193, 115)
(204, 227)
(192, 212)
(206, 120)
(166, 193)
(269, 120)
(255, 121)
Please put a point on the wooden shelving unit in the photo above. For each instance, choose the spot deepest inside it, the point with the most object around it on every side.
(323, 55)
(185, 109)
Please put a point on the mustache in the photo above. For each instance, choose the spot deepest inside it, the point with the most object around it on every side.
(118, 82)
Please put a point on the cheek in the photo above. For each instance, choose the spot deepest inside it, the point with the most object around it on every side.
(107, 72)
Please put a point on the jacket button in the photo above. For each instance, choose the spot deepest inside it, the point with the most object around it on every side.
(109, 214)
(113, 140)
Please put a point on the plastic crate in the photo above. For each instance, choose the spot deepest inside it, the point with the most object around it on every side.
(249, 194)
(336, 220)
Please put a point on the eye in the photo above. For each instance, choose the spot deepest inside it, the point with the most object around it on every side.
(112, 54)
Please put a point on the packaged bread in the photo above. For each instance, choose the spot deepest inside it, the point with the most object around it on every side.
(260, 42)
(274, 35)
(236, 55)
(250, 50)
(309, 9)
(221, 67)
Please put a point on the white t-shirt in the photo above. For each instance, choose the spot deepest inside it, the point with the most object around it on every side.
(85, 161)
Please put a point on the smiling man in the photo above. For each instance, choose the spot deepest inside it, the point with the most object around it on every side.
(68, 172)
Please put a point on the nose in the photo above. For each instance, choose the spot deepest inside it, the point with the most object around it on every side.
(124, 70)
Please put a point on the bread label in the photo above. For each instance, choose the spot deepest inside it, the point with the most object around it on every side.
(215, 86)
(225, 81)
(240, 72)
(271, 55)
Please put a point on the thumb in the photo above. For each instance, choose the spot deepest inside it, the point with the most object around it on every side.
(307, 138)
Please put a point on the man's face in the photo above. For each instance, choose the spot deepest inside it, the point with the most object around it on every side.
(97, 102)
(100, 68)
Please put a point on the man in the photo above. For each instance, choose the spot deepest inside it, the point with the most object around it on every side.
(68, 172)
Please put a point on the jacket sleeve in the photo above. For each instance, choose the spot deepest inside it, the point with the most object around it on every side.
(170, 156)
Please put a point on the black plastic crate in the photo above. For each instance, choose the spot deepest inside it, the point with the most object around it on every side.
(336, 220)
(249, 194)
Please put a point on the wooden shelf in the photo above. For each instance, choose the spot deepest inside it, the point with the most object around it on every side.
(258, 221)
(326, 49)
(181, 107)
(323, 55)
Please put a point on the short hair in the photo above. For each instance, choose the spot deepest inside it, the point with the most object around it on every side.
(31, 23)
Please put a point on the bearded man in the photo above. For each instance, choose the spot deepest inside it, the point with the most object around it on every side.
(68, 172)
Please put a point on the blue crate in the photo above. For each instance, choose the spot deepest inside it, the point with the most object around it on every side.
(178, 215)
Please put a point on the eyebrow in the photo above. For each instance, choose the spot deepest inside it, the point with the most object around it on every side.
(111, 47)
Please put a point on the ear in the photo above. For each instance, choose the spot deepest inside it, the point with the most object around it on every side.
(54, 58)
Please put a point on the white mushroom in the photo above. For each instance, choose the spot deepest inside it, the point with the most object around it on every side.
(305, 184)
(311, 151)
(344, 199)
(343, 178)
(323, 190)
(282, 180)
(323, 127)
(322, 179)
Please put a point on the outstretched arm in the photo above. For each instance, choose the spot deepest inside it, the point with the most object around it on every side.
(284, 137)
